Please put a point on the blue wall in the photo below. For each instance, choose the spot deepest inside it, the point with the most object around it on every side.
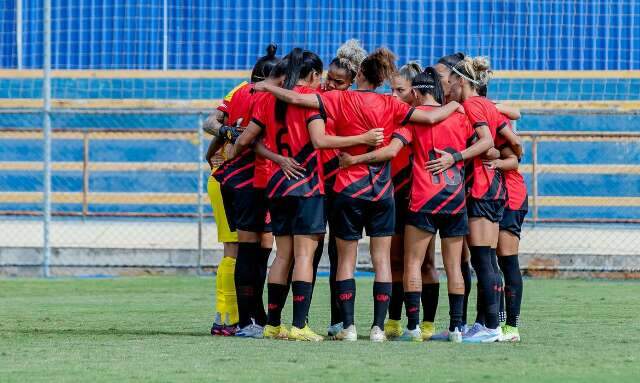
(226, 34)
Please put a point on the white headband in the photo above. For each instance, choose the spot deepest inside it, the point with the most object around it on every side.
(453, 68)
(423, 86)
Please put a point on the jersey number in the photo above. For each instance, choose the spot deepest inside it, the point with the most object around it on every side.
(451, 176)
(280, 144)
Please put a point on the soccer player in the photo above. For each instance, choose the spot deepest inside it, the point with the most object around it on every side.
(510, 227)
(295, 192)
(247, 210)
(364, 193)
(401, 176)
(340, 76)
(487, 195)
(437, 197)
(226, 319)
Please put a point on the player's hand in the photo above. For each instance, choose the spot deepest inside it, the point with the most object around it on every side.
(229, 151)
(441, 164)
(345, 160)
(492, 164)
(216, 161)
(460, 107)
(374, 137)
(291, 168)
(491, 154)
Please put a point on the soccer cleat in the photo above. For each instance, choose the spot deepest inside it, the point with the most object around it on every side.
(349, 334)
(229, 330)
(334, 329)
(393, 329)
(275, 332)
(484, 335)
(455, 336)
(510, 334)
(216, 329)
(414, 335)
(377, 335)
(251, 331)
(427, 329)
(304, 334)
(441, 336)
(474, 329)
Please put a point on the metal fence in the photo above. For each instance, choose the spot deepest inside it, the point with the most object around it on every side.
(125, 196)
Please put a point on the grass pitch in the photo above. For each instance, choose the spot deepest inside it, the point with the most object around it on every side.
(156, 329)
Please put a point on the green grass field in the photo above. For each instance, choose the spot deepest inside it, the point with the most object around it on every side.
(156, 329)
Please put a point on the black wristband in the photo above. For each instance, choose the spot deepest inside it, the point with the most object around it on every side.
(457, 156)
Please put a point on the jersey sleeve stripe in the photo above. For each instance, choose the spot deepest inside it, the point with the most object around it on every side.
(259, 123)
(478, 124)
(323, 112)
(501, 126)
(401, 138)
(407, 118)
(314, 117)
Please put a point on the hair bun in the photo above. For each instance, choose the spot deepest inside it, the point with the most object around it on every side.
(271, 50)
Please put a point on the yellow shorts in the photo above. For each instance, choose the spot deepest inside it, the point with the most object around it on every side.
(224, 233)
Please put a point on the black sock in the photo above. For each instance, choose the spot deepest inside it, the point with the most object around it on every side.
(381, 299)
(430, 294)
(244, 278)
(412, 308)
(301, 302)
(395, 306)
(276, 298)
(466, 275)
(502, 314)
(346, 291)
(261, 264)
(513, 287)
(333, 270)
(481, 261)
(456, 303)
(497, 288)
(480, 309)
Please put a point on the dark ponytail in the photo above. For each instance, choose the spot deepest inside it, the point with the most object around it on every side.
(428, 82)
(451, 60)
(265, 64)
(299, 64)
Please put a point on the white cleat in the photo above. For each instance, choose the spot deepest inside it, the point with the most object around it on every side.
(348, 334)
(377, 334)
(485, 335)
(455, 336)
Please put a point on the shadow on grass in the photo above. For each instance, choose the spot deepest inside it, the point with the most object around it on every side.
(109, 331)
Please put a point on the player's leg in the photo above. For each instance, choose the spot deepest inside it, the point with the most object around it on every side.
(393, 326)
(465, 267)
(348, 218)
(308, 226)
(380, 227)
(335, 324)
(451, 254)
(430, 291)
(278, 287)
(508, 245)
(416, 245)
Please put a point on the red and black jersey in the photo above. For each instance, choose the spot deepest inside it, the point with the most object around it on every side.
(483, 183)
(292, 140)
(443, 193)
(238, 172)
(401, 171)
(355, 113)
(513, 180)
(329, 158)
(264, 116)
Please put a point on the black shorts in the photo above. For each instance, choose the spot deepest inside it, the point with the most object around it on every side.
(489, 209)
(449, 225)
(402, 209)
(298, 215)
(351, 215)
(246, 209)
(512, 221)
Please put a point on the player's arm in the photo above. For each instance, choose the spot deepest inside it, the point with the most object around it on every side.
(492, 154)
(507, 161)
(512, 139)
(290, 167)
(214, 122)
(447, 160)
(321, 140)
(511, 112)
(379, 155)
(306, 100)
(434, 115)
(247, 138)
(215, 145)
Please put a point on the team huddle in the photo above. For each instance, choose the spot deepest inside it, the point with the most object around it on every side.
(294, 153)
